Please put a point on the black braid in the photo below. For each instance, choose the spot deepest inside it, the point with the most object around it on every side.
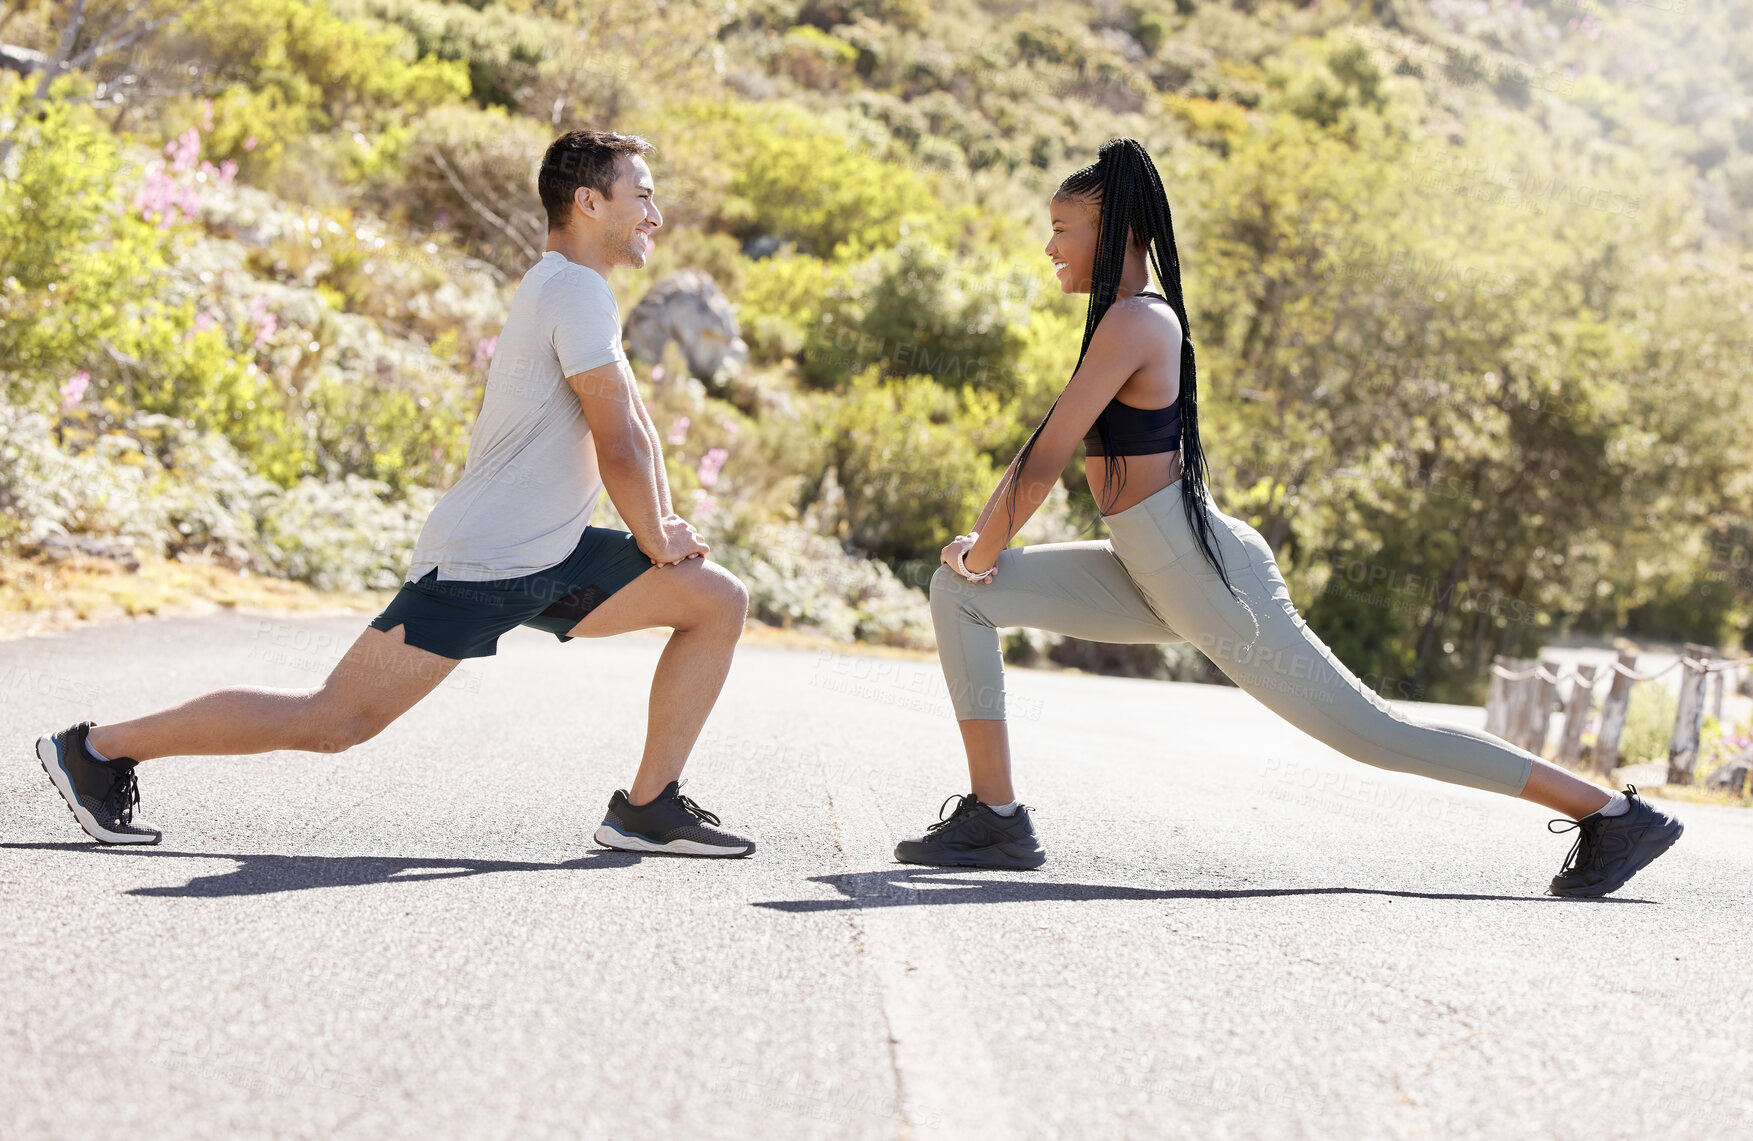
(1132, 201)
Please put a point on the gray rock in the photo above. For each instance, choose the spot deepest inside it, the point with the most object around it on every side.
(688, 308)
(59, 547)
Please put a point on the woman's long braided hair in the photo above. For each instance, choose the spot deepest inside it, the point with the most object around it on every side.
(1131, 199)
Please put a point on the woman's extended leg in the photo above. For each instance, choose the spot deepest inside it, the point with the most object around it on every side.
(1265, 647)
(1076, 589)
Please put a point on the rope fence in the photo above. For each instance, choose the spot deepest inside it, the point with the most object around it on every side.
(1540, 671)
(1524, 696)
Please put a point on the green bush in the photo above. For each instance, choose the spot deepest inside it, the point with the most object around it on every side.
(786, 174)
(917, 309)
(73, 257)
(908, 463)
(1649, 723)
(290, 69)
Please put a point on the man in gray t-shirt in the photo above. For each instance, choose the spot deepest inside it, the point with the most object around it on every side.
(510, 544)
(532, 478)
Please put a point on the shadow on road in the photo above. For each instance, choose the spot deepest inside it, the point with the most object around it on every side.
(902, 887)
(265, 874)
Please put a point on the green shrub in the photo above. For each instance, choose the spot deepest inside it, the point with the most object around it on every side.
(297, 68)
(73, 257)
(786, 174)
(919, 310)
(1649, 723)
(908, 462)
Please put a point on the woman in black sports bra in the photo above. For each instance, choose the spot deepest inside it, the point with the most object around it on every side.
(1175, 568)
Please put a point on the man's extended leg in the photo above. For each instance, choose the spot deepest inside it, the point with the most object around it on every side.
(92, 767)
(706, 606)
(380, 678)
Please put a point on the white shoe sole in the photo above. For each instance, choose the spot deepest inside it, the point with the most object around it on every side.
(50, 757)
(621, 842)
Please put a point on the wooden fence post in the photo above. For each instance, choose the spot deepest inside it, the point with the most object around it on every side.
(1715, 704)
(1542, 701)
(1689, 720)
(1576, 711)
(1497, 700)
(1515, 705)
(1613, 716)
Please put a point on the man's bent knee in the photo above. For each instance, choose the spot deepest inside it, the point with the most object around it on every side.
(720, 596)
(342, 733)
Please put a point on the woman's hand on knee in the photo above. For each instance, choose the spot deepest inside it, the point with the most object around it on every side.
(957, 549)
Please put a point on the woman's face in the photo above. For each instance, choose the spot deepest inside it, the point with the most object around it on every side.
(1073, 244)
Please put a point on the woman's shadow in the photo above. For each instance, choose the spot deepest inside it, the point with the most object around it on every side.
(266, 874)
(915, 887)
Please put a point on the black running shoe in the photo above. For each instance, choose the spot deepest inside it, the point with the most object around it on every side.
(672, 824)
(1611, 849)
(103, 795)
(974, 836)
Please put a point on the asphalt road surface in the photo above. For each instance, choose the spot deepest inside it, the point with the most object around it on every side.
(1238, 934)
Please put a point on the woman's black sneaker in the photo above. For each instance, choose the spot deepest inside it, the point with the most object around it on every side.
(974, 836)
(671, 824)
(1611, 849)
(102, 794)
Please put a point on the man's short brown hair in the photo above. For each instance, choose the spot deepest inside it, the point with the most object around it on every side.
(582, 158)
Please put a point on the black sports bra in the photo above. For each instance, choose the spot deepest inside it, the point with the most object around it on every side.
(1136, 431)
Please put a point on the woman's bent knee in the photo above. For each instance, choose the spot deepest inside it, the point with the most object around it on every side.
(952, 598)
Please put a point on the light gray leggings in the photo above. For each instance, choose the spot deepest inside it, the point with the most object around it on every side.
(1150, 583)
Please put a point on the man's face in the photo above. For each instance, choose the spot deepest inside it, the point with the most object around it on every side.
(627, 218)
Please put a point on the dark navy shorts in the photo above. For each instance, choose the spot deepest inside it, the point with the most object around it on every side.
(465, 619)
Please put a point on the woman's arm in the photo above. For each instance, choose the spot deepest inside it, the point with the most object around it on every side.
(1116, 352)
(1004, 483)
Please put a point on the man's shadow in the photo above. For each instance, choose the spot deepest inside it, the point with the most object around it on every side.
(914, 887)
(266, 874)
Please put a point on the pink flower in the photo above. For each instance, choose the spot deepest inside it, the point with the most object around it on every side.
(74, 389)
(264, 321)
(204, 320)
(249, 144)
(702, 504)
(484, 349)
(710, 465)
(730, 427)
(679, 430)
(184, 150)
(656, 372)
(206, 114)
(221, 174)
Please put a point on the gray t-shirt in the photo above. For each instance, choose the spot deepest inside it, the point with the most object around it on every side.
(531, 481)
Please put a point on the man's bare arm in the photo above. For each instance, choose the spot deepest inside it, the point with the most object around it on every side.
(663, 475)
(630, 462)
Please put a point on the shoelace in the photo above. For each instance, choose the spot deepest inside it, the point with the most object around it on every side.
(700, 813)
(1586, 849)
(965, 805)
(124, 795)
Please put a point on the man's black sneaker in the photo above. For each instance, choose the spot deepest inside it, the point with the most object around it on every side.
(102, 794)
(672, 823)
(1611, 849)
(974, 836)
